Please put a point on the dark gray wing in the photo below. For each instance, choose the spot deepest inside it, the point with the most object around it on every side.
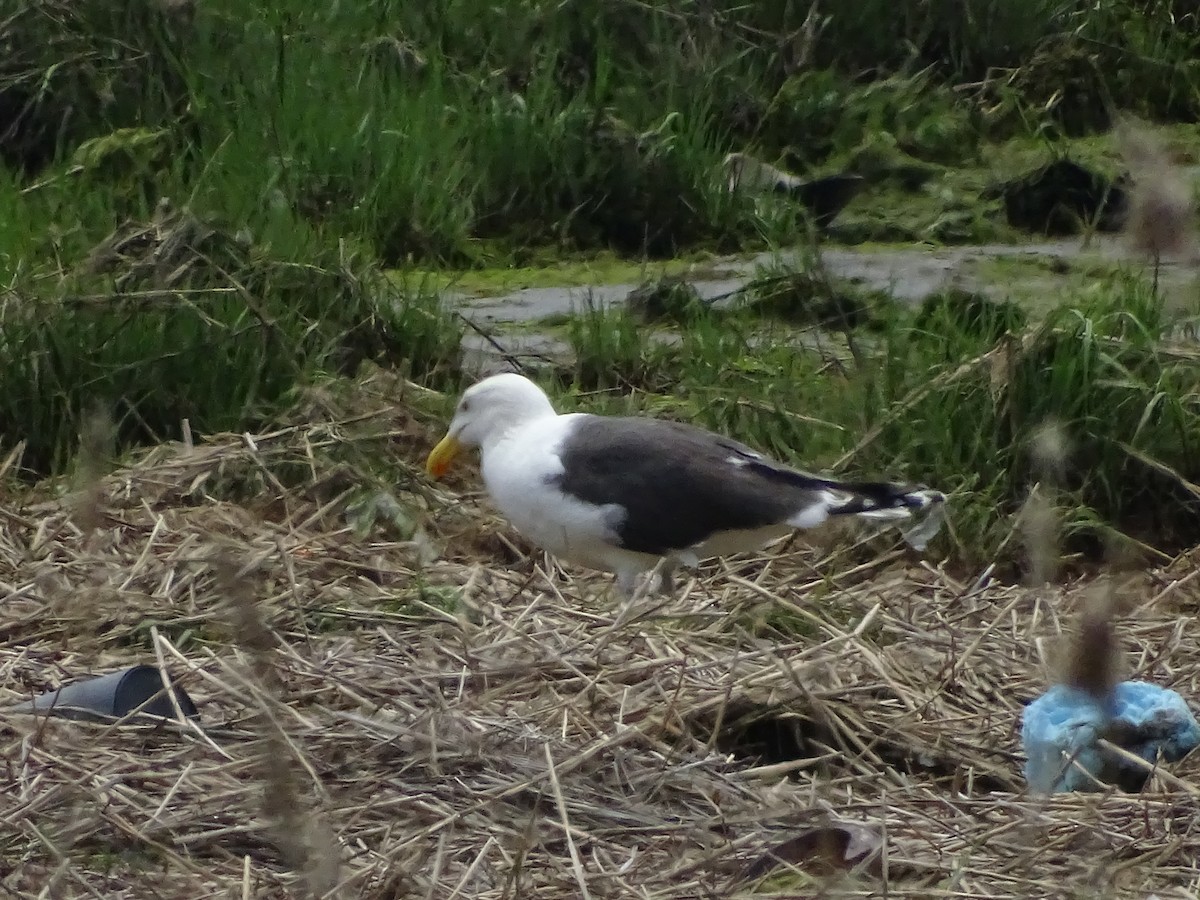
(676, 483)
(679, 484)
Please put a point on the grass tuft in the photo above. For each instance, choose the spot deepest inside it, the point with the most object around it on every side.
(177, 324)
(973, 420)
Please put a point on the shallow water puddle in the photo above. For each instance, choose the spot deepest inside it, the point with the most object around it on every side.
(1021, 272)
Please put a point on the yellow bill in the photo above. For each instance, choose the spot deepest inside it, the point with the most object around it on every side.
(440, 457)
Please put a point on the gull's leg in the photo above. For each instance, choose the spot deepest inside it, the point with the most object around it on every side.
(666, 576)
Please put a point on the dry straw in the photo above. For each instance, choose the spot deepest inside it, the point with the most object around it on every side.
(478, 728)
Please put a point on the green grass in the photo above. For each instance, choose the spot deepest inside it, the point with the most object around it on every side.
(560, 270)
(476, 133)
(187, 324)
(1097, 368)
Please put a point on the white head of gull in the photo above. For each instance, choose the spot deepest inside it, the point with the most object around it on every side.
(620, 494)
(490, 410)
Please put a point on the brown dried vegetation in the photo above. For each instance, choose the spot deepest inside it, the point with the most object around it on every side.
(376, 724)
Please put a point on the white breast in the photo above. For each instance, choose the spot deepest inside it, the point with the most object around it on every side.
(517, 469)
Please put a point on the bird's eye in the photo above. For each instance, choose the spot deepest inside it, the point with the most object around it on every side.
(464, 406)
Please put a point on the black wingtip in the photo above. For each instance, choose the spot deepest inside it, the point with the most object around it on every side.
(860, 496)
(869, 497)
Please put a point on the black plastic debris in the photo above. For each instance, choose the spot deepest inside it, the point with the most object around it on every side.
(825, 197)
(114, 696)
(1062, 197)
